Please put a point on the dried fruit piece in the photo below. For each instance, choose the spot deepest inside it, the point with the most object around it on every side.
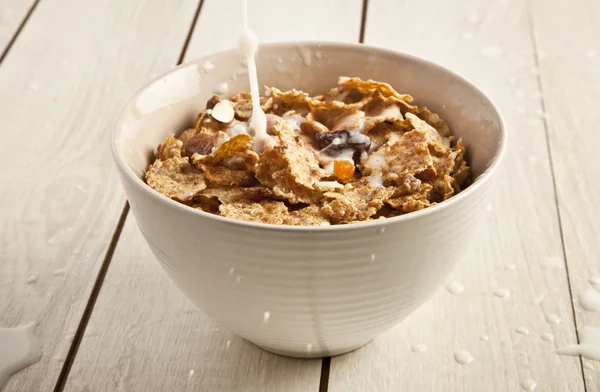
(339, 140)
(202, 143)
(312, 128)
(212, 102)
(223, 111)
(240, 143)
(169, 148)
(343, 169)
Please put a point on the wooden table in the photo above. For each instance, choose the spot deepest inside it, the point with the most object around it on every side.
(73, 259)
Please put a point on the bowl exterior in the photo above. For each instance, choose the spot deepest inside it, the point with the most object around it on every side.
(325, 293)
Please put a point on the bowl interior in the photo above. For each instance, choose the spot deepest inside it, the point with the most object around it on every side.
(170, 103)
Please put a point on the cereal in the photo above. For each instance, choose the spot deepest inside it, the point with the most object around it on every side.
(359, 152)
(169, 148)
(175, 178)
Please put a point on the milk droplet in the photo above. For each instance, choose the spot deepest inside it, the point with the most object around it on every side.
(591, 54)
(75, 251)
(31, 279)
(489, 206)
(228, 344)
(455, 288)
(484, 338)
(540, 297)
(19, 349)
(522, 330)
(266, 317)
(318, 55)
(502, 293)
(238, 279)
(231, 271)
(529, 385)
(309, 347)
(553, 319)
(59, 272)
(207, 66)
(191, 373)
(221, 88)
(33, 87)
(382, 230)
(533, 160)
(590, 299)
(548, 337)
(594, 280)
(418, 347)
(51, 241)
(372, 257)
(491, 51)
(467, 36)
(588, 366)
(306, 56)
(510, 266)
(463, 357)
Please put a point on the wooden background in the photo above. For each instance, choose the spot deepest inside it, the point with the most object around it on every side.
(109, 319)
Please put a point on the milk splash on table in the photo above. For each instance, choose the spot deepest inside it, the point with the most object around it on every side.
(19, 348)
(258, 122)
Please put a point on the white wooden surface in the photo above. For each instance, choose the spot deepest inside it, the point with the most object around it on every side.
(522, 228)
(61, 86)
(570, 76)
(162, 342)
(12, 13)
(75, 63)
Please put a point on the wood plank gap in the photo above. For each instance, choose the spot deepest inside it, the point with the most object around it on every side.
(363, 22)
(324, 381)
(89, 308)
(87, 313)
(542, 101)
(188, 38)
(18, 31)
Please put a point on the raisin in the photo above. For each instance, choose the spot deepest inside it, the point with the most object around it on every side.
(212, 102)
(202, 144)
(339, 140)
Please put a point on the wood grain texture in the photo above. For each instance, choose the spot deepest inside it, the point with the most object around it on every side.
(570, 77)
(144, 335)
(61, 87)
(490, 44)
(12, 13)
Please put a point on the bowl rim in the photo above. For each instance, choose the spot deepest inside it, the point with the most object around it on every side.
(483, 179)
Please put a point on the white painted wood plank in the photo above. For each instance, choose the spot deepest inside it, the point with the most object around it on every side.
(144, 335)
(490, 43)
(12, 13)
(570, 75)
(220, 23)
(61, 87)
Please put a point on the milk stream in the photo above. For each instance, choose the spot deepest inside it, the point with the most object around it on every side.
(19, 348)
(258, 122)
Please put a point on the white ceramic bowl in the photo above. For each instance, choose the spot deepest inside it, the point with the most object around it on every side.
(324, 294)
